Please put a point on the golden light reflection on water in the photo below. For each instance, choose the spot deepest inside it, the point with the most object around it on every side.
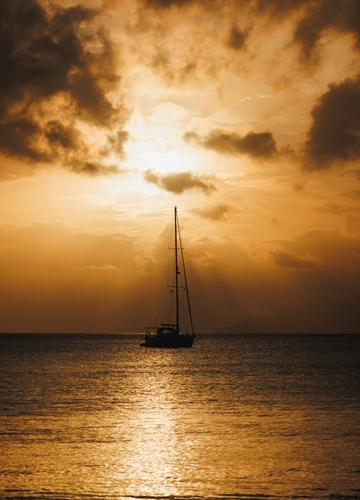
(154, 458)
(114, 421)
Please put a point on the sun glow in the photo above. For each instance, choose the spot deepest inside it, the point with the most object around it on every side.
(174, 160)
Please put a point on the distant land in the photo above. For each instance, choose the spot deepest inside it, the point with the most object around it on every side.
(316, 316)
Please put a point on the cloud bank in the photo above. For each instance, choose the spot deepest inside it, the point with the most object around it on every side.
(57, 67)
(312, 19)
(256, 145)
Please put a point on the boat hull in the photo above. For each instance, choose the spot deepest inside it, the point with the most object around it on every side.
(169, 341)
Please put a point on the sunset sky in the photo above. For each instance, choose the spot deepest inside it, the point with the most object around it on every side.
(245, 114)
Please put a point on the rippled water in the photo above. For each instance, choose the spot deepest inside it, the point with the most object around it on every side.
(234, 417)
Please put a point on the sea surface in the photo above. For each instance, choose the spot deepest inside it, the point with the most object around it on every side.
(235, 417)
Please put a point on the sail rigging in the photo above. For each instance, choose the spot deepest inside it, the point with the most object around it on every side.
(170, 334)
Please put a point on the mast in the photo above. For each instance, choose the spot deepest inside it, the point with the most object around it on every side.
(176, 274)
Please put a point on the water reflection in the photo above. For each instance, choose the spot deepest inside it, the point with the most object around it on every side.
(154, 455)
(241, 419)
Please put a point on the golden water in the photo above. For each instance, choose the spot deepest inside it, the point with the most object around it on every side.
(233, 417)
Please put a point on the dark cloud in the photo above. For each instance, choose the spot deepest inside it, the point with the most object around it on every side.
(43, 56)
(59, 135)
(116, 143)
(334, 136)
(323, 15)
(214, 212)
(279, 8)
(92, 168)
(237, 38)
(17, 138)
(26, 140)
(256, 145)
(179, 182)
(270, 7)
(52, 64)
(312, 20)
(293, 260)
(161, 4)
(299, 186)
(175, 71)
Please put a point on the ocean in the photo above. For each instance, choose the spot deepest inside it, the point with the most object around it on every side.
(235, 417)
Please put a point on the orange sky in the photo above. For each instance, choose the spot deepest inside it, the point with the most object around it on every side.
(244, 114)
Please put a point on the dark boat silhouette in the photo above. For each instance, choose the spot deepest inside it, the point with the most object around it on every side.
(169, 335)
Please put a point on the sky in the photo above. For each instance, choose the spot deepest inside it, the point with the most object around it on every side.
(243, 114)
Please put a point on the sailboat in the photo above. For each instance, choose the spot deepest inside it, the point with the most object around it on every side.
(169, 335)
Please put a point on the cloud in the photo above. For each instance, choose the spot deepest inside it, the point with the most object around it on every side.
(146, 264)
(352, 224)
(332, 248)
(334, 208)
(293, 260)
(165, 4)
(324, 15)
(55, 63)
(59, 135)
(355, 172)
(334, 136)
(92, 169)
(255, 145)
(179, 182)
(353, 194)
(168, 112)
(311, 19)
(299, 186)
(46, 55)
(60, 298)
(116, 143)
(276, 222)
(18, 139)
(214, 212)
(237, 38)
(106, 267)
